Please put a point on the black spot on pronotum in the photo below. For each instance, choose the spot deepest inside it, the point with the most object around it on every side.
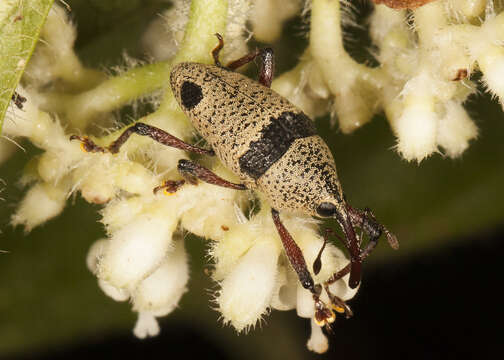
(275, 140)
(190, 94)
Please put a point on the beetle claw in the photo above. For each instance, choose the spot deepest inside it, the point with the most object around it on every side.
(87, 145)
(170, 187)
(323, 314)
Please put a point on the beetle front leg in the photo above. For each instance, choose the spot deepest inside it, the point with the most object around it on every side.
(366, 220)
(323, 315)
(139, 128)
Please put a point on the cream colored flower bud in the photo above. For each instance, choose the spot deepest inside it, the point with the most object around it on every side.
(120, 212)
(318, 341)
(207, 208)
(268, 17)
(96, 251)
(117, 294)
(305, 306)
(146, 325)
(352, 110)
(137, 249)
(246, 292)
(134, 178)
(417, 127)
(285, 293)
(455, 130)
(41, 203)
(161, 291)
(491, 63)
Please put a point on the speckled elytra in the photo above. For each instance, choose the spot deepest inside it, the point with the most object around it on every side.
(273, 147)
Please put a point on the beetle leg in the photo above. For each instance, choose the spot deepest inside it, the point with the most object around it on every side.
(323, 315)
(217, 50)
(294, 253)
(18, 100)
(266, 66)
(338, 304)
(317, 264)
(170, 186)
(233, 65)
(139, 128)
(192, 171)
(363, 253)
(366, 220)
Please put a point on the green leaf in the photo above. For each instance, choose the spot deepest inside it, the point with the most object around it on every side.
(20, 24)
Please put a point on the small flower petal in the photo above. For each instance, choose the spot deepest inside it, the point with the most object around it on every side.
(318, 341)
(146, 325)
(246, 292)
(137, 249)
(161, 291)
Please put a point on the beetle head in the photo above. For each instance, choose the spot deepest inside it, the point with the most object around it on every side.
(332, 208)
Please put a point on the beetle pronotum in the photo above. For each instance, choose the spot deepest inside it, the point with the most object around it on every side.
(273, 147)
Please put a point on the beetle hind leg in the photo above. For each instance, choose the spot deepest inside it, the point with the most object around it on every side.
(142, 129)
(266, 66)
(216, 51)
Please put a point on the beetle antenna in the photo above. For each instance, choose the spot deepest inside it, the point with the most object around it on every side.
(317, 264)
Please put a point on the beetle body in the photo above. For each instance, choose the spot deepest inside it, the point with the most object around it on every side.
(272, 146)
(259, 135)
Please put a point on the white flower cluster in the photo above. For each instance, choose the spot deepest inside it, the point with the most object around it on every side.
(421, 83)
(426, 57)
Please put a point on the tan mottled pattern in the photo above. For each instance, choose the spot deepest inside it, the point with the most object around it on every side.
(303, 178)
(231, 115)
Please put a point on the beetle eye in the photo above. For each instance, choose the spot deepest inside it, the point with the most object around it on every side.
(326, 209)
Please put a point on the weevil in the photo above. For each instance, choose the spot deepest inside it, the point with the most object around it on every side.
(273, 147)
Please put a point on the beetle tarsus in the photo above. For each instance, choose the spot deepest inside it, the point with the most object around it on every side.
(87, 144)
(338, 304)
(169, 186)
(18, 100)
